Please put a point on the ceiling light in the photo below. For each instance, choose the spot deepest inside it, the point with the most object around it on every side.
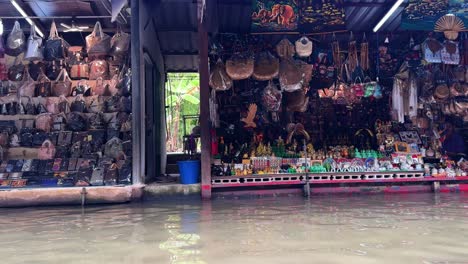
(1, 27)
(387, 16)
(23, 13)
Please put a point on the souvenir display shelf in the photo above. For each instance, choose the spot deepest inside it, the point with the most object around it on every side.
(280, 105)
(65, 111)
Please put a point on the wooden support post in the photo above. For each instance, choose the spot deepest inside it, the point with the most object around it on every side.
(204, 112)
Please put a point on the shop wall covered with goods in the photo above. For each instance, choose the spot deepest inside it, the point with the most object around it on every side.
(340, 103)
(65, 111)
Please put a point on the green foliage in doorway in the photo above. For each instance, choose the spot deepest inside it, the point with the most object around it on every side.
(182, 98)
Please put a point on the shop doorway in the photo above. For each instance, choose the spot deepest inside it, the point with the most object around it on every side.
(182, 109)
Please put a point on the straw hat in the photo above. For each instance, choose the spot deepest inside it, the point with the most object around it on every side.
(304, 47)
(442, 92)
(450, 25)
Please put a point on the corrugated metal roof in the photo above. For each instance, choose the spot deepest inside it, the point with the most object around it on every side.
(177, 24)
(57, 8)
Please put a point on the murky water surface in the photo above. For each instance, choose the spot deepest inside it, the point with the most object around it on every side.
(416, 228)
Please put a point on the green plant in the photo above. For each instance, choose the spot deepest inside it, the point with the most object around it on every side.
(182, 98)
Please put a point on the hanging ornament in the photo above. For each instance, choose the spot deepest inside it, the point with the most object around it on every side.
(364, 53)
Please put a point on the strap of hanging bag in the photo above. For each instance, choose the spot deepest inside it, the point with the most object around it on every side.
(53, 31)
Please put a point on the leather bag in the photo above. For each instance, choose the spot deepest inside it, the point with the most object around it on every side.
(113, 148)
(43, 86)
(97, 105)
(34, 49)
(79, 105)
(56, 48)
(46, 151)
(98, 69)
(76, 122)
(99, 88)
(27, 89)
(16, 72)
(16, 41)
(98, 43)
(44, 122)
(62, 85)
(120, 43)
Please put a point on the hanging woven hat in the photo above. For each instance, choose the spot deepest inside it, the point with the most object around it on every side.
(442, 92)
(285, 49)
(450, 25)
(304, 47)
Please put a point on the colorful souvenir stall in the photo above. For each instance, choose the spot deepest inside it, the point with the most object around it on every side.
(343, 108)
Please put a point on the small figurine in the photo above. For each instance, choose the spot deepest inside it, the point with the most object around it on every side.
(249, 120)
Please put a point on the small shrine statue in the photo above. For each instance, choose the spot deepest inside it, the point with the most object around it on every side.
(280, 142)
(310, 149)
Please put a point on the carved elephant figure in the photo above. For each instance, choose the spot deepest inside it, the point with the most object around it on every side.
(284, 14)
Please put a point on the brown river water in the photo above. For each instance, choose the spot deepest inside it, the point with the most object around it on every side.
(410, 228)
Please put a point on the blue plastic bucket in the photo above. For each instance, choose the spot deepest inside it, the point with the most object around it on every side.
(189, 171)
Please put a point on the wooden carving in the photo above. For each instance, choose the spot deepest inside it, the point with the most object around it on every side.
(249, 120)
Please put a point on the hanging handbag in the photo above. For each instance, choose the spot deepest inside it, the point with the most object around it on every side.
(126, 104)
(97, 43)
(99, 88)
(125, 85)
(79, 70)
(59, 122)
(35, 69)
(64, 138)
(43, 86)
(41, 109)
(113, 148)
(3, 68)
(52, 105)
(113, 104)
(81, 88)
(16, 72)
(63, 105)
(120, 43)
(44, 122)
(56, 48)
(30, 108)
(97, 177)
(16, 41)
(96, 121)
(62, 85)
(27, 89)
(39, 137)
(34, 49)
(98, 69)
(79, 105)
(76, 122)
(111, 175)
(97, 105)
(46, 151)
(53, 69)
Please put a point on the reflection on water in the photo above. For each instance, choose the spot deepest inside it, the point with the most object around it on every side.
(416, 228)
